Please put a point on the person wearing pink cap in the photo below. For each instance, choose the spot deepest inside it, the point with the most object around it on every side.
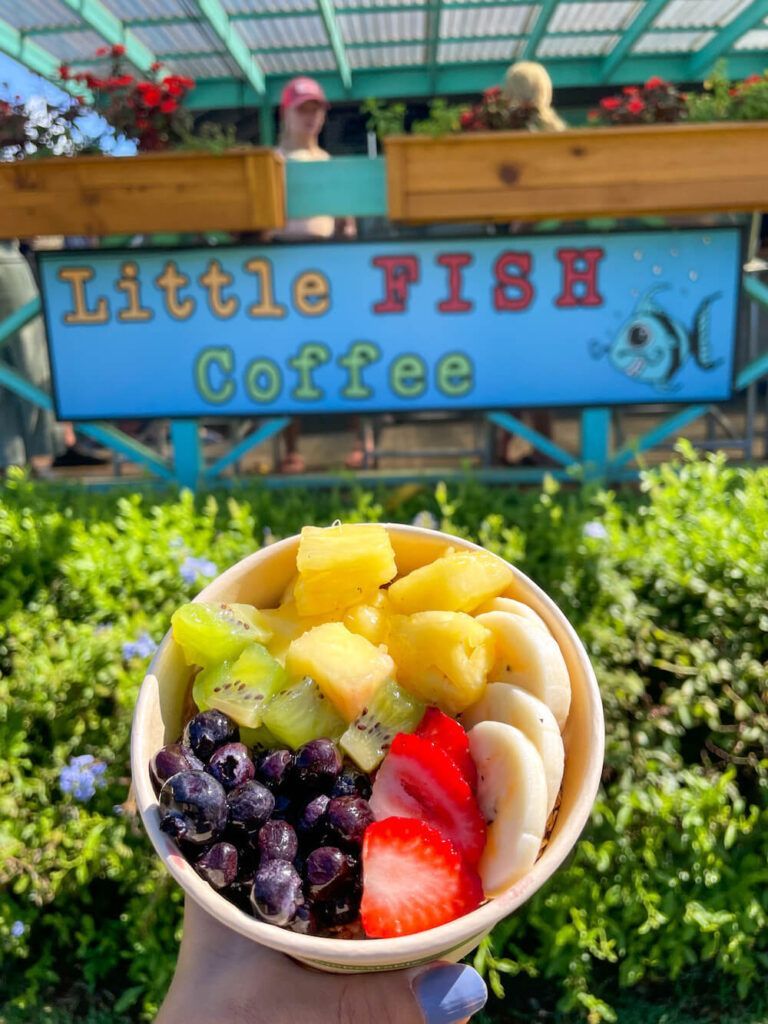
(303, 108)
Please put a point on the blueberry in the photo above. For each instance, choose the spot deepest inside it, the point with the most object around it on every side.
(277, 841)
(339, 910)
(171, 759)
(348, 818)
(195, 805)
(232, 765)
(273, 769)
(352, 782)
(317, 766)
(312, 821)
(304, 922)
(284, 809)
(249, 807)
(327, 870)
(276, 893)
(208, 731)
(218, 865)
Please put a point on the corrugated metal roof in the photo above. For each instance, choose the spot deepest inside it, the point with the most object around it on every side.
(129, 10)
(188, 37)
(757, 39)
(465, 53)
(290, 62)
(699, 13)
(201, 68)
(387, 56)
(576, 46)
(36, 13)
(75, 45)
(283, 33)
(672, 42)
(593, 17)
(485, 21)
(366, 28)
(261, 6)
(341, 4)
(290, 36)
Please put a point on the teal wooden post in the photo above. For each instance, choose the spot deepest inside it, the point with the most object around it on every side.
(595, 441)
(186, 452)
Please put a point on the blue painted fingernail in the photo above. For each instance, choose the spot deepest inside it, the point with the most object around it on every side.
(449, 992)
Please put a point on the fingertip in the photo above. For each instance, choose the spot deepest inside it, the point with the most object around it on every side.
(449, 992)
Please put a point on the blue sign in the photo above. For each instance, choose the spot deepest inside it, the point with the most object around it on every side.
(399, 325)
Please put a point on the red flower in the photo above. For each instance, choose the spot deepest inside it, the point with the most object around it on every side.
(177, 85)
(466, 119)
(102, 51)
(593, 115)
(635, 105)
(655, 83)
(118, 50)
(168, 106)
(610, 102)
(630, 90)
(493, 93)
(121, 81)
(150, 93)
(155, 66)
(64, 72)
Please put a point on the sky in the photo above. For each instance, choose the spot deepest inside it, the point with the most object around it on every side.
(16, 80)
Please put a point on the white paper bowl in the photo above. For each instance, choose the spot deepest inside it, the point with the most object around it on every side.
(260, 579)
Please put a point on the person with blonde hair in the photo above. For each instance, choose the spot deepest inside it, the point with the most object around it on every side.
(527, 84)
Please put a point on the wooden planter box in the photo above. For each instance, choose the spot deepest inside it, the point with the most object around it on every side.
(583, 172)
(99, 195)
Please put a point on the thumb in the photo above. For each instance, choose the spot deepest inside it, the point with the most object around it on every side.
(448, 993)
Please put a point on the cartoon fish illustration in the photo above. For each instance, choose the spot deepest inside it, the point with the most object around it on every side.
(652, 346)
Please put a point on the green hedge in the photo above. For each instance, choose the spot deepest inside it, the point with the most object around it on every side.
(667, 589)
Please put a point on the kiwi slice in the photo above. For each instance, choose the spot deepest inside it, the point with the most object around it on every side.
(301, 713)
(210, 633)
(392, 710)
(241, 689)
(258, 737)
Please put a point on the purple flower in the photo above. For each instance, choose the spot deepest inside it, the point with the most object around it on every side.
(142, 647)
(192, 567)
(17, 929)
(82, 776)
(426, 520)
(595, 530)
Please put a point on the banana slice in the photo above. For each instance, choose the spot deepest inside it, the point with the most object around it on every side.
(512, 794)
(530, 658)
(509, 604)
(503, 702)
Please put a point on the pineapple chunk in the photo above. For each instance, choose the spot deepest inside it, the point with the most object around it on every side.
(370, 620)
(347, 668)
(286, 624)
(341, 566)
(459, 581)
(442, 657)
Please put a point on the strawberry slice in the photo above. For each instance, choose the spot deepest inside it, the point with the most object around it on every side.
(445, 732)
(418, 780)
(413, 879)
